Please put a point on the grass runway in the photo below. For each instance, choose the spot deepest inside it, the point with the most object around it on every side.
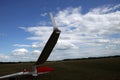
(88, 69)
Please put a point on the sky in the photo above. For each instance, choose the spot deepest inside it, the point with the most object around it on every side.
(89, 28)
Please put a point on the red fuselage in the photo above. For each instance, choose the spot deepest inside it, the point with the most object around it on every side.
(44, 69)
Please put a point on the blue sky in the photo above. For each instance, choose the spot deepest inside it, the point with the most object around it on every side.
(89, 28)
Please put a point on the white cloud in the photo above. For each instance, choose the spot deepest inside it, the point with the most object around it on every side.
(20, 51)
(43, 14)
(64, 45)
(3, 57)
(38, 44)
(105, 9)
(89, 23)
(36, 52)
(39, 32)
(21, 45)
(83, 35)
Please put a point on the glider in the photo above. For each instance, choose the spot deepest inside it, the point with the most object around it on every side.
(37, 68)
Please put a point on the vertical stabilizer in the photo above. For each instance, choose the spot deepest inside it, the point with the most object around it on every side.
(50, 43)
(53, 21)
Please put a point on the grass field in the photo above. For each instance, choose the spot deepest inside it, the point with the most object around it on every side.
(89, 69)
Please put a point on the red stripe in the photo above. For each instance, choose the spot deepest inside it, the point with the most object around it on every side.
(44, 69)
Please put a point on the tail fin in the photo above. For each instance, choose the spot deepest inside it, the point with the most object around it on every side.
(50, 43)
(53, 21)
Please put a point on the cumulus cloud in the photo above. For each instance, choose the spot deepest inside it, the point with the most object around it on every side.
(37, 44)
(21, 45)
(89, 23)
(64, 45)
(3, 57)
(39, 32)
(21, 51)
(43, 14)
(105, 9)
(91, 31)
(36, 52)
(83, 35)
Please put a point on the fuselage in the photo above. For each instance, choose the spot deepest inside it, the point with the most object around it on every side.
(44, 69)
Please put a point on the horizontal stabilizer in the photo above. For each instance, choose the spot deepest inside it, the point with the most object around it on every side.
(15, 74)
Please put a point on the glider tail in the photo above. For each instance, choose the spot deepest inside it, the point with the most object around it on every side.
(53, 22)
(50, 43)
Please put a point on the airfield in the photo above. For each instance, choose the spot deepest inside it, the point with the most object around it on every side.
(84, 69)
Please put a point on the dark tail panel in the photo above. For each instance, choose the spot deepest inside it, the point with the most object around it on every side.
(49, 47)
(50, 43)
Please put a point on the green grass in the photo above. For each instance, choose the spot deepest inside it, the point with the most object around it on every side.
(90, 69)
